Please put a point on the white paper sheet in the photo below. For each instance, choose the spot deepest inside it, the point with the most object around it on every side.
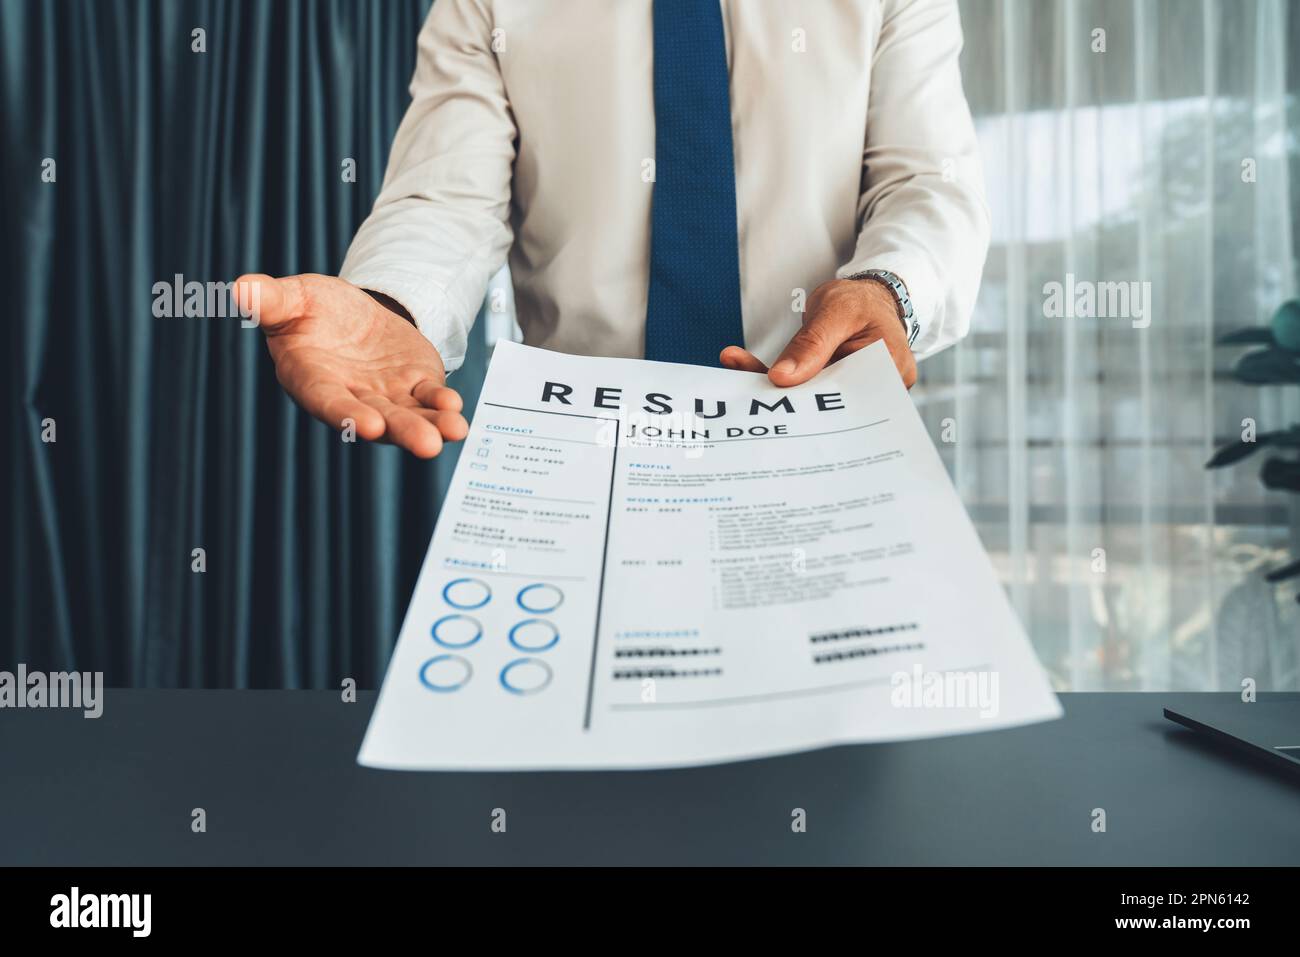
(621, 578)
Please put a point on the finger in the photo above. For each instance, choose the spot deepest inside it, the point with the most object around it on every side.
(742, 360)
(432, 394)
(271, 302)
(406, 428)
(813, 345)
(451, 425)
(335, 405)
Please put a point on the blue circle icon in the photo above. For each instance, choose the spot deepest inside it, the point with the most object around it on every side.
(456, 631)
(534, 634)
(466, 593)
(525, 676)
(446, 673)
(539, 598)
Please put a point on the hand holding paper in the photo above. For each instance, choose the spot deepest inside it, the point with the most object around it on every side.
(843, 316)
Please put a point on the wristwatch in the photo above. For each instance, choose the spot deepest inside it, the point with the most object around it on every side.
(901, 298)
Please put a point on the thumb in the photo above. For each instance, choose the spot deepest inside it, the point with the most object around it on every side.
(269, 301)
(812, 346)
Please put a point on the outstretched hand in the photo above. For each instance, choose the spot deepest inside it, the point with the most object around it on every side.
(348, 360)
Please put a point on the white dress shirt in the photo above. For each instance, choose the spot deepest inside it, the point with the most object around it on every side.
(531, 134)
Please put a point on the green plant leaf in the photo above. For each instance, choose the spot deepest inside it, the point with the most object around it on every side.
(1285, 572)
(1235, 452)
(1281, 474)
(1267, 367)
(1285, 325)
(1255, 335)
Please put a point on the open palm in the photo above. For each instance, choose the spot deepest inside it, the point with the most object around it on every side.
(348, 360)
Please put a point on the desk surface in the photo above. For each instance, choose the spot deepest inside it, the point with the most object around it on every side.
(275, 772)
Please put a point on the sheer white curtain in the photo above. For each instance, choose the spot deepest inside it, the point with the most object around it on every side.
(1148, 143)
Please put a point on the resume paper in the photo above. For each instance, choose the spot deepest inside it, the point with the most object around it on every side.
(642, 564)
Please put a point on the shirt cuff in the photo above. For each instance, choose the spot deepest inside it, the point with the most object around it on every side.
(923, 287)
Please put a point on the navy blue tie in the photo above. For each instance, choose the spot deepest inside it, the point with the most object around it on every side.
(693, 309)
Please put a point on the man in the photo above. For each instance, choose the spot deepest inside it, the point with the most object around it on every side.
(673, 179)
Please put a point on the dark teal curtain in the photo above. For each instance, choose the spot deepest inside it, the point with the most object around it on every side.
(172, 434)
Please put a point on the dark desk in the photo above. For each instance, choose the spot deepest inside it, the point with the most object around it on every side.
(276, 773)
